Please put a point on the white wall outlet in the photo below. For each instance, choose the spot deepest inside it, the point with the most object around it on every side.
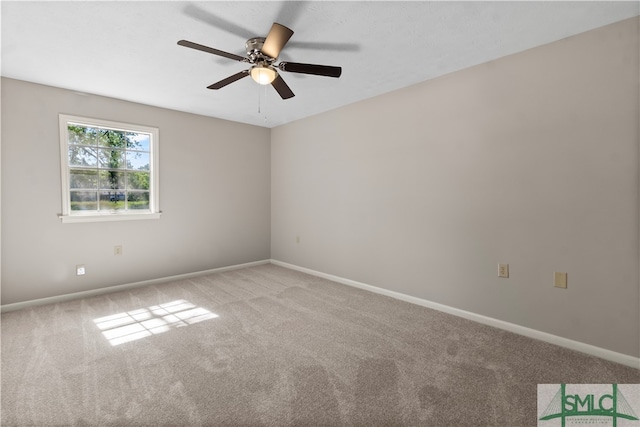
(297, 239)
(560, 280)
(80, 270)
(503, 270)
(117, 250)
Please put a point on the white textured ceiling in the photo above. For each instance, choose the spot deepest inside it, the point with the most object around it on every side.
(128, 50)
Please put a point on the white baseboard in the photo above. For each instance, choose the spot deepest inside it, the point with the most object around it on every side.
(117, 288)
(602, 353)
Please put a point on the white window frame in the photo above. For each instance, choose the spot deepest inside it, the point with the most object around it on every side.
(69, 216)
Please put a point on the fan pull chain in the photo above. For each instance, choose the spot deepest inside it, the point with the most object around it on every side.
(258, 99)
(265, 98)
(262, 96)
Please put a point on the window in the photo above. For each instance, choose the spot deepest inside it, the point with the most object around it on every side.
(109, 170)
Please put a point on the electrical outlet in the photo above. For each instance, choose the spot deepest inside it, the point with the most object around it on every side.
(297, 239)
(503, 270)
(560, 280)
(117, 250)
(80, 270)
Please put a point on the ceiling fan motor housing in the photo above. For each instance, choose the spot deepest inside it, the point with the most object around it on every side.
(254, 51)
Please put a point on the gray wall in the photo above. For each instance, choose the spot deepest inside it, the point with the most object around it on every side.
(215, 195)
(530, 160)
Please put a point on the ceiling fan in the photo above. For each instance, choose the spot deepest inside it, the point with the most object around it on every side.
(262, 53)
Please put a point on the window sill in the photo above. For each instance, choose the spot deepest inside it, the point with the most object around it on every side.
(108, 217)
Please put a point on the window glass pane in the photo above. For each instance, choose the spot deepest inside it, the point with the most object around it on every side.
(82, 156)
(111, 180)
(138, 180)
(138, 200)
(86, 178)
(84, 200)
(139, 141)
(111, 159)
(112, 200)
(81, 135)
(137, 160)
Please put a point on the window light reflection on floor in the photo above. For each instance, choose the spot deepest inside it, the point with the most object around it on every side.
(133, 325)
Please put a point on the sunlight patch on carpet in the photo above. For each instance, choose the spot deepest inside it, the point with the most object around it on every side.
(156, 319)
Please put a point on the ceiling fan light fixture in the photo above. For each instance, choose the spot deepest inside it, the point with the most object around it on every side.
(263, 75)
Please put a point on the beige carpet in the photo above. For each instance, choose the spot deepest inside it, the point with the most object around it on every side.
(267, 346)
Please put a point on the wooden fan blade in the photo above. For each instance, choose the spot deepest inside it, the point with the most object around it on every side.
(278, 36)
(207, 49)
(222, 83)
(318, 70)
(282, 88)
